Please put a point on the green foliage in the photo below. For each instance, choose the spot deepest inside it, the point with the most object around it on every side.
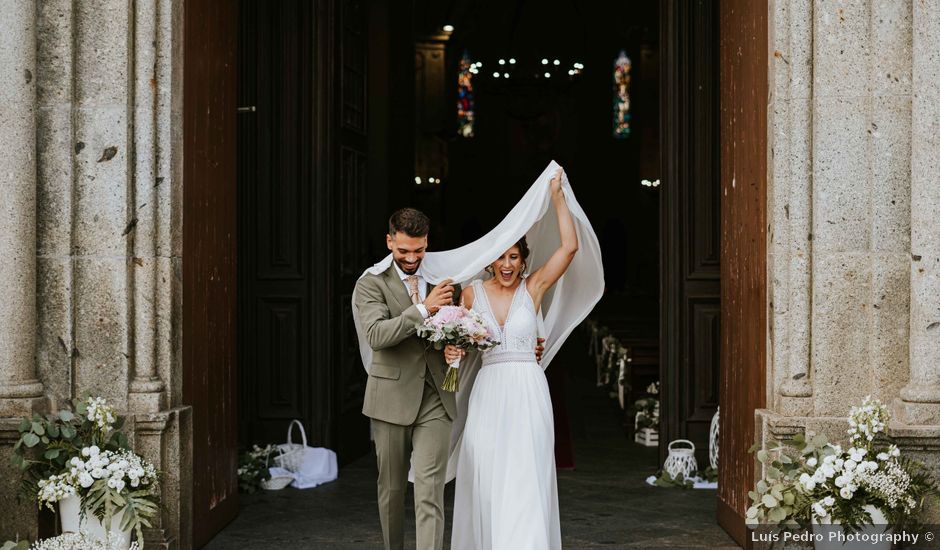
(663, 479)
(253, 467)
(10, 545)
(709, 474)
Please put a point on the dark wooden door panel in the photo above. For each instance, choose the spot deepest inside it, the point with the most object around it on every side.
(275, 220)
(690, 236)
(302, 187)
(209, 260)
(744, 249)
(351, 427)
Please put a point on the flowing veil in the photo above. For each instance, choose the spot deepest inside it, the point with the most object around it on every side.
(563, 307)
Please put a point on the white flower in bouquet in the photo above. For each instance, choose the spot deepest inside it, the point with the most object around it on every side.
(82, 541)
(55, 488)
(808, 482)
(102, 414)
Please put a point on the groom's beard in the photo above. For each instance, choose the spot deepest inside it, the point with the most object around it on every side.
(408, 271)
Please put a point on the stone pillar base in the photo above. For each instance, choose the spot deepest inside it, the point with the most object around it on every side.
(912, 413)
(22, 406)
(19, 519)
(159, 538)
(165, 438)
(145, 402)
(792, 405)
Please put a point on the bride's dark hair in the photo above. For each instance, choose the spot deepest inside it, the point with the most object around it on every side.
(523, 247)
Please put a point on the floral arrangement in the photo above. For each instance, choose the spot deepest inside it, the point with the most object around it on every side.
(72, 541)
(647, 408)
(83, 453)
(457, 326)
(809, 479)
(647, 413)
(253, 467)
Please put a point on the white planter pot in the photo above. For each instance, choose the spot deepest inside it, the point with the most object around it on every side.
(71, 520)
(828, 533)
(647, 437)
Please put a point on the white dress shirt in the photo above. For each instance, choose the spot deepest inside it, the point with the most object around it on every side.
(422, 288)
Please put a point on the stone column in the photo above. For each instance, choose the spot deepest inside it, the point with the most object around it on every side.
(792, 203)
(146, 388)
(20, 391)
(920, 400)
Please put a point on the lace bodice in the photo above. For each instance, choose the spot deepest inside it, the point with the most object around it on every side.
(518, 336)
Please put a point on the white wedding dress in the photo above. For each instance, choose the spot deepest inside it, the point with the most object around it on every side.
(506, 491)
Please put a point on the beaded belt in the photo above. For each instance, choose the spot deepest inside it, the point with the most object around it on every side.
(507, 357)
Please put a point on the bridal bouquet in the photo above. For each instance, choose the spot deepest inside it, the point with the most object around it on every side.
(458, 326)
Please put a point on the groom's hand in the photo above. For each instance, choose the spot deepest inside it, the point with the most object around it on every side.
(539, 348)
(440, 295)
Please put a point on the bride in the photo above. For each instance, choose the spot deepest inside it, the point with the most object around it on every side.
(506, 494)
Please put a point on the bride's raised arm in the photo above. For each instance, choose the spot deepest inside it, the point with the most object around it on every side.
(544, 277)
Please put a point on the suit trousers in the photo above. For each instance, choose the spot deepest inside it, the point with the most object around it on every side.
(427, 441)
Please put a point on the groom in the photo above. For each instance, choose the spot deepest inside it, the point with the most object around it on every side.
(411, 415)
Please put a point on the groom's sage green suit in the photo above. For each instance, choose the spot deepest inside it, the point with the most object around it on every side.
(411, 415)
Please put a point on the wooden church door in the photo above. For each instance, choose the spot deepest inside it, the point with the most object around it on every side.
(209, 262)
(690, 231)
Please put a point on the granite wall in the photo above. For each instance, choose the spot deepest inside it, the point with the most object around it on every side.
(854, 204)
(90, 238)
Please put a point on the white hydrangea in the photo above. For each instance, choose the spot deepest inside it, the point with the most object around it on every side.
(82, 541)
(102, 414)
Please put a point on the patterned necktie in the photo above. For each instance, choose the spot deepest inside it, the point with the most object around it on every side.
(412, 281)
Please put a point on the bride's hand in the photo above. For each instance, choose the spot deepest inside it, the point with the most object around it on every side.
(452, 354)
(555, 183)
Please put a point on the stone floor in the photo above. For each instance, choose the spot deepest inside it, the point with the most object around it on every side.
(604, 502)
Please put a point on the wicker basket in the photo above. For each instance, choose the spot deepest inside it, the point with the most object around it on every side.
(292, 454)
(276, 483)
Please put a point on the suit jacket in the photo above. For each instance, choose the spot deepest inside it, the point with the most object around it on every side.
(401, 361)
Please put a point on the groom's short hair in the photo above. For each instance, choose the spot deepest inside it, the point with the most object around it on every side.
(409, 221)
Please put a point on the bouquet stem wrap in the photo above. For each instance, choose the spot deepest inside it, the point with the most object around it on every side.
(450, 381)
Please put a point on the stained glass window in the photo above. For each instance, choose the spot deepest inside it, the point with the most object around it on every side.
(465, 96)
(622, 96)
